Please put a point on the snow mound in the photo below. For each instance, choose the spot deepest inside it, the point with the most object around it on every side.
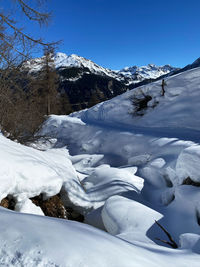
(27, 206)
(125, 217)
(190, 241)
(102, 183)
(57, 243)
(26, 172)
(188, 164)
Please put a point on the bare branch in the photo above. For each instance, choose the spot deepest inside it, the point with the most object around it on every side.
(172, 243)
(32, 14)
(19, 31)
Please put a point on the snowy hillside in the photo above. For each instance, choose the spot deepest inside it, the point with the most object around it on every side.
(178, 109)
(131, 168)
(160, 145)
(127, 75)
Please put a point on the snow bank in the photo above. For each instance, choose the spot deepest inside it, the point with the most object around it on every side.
(42, 241)
(125, 218)
(190, 241)
(102, 183)
(26, 172)
(188, 164)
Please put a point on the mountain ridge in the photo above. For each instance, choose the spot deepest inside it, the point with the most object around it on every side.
(127, 75)
(85, 83)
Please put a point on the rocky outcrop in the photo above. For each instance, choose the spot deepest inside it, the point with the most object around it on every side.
(52, 207)
(8, 203)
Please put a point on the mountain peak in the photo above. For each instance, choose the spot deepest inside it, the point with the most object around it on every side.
(151, 65)
(151, 71)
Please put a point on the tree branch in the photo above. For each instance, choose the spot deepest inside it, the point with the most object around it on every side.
(172, 243)
(36, 15)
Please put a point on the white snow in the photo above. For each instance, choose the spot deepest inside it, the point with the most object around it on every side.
(27, 206)
(123, 172)
(29, 241)
(125, 217)
(26, 172)
(164, 146)
(175, 111)
(188, 164)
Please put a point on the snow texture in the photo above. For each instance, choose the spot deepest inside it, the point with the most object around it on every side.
(164, 146)
(122, 171)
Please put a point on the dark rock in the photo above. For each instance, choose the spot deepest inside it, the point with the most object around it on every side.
(8, 203)
(74, 215)
(189, 181)
(52, 207)
(81, 92)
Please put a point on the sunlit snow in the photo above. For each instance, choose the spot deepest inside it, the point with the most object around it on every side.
(123, 172)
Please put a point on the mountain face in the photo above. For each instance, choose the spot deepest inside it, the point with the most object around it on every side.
(151, 71)
(85, 83)
(128, 75)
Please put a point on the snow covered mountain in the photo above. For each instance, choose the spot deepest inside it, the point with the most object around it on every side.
(128, 75)
(151, 71)
(84, 83)
(62, 60)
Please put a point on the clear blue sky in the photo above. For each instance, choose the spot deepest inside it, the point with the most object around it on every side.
(123, 33)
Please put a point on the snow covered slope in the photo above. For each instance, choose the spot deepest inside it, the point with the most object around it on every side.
(35, 241)
(160, 144)
(178, 109)
(28, 240)
(128, 167)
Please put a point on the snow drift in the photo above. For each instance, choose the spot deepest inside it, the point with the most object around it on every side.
(123, 172)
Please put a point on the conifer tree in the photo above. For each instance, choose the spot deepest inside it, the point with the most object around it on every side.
(45, 84)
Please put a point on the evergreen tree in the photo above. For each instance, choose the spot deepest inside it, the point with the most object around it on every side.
(46, 84)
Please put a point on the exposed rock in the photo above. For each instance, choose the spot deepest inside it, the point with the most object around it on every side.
(52, 207)
(8, 203)
(189, 181)
(74, 215)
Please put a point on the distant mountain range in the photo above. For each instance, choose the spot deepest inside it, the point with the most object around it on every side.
(128, 75)
(85, 83)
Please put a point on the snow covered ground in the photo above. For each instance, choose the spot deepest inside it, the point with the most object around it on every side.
(123, 172)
